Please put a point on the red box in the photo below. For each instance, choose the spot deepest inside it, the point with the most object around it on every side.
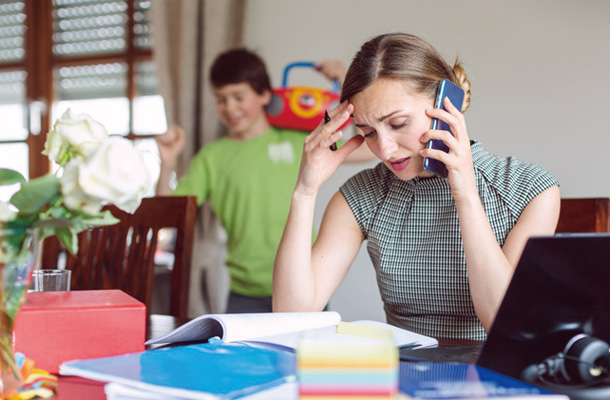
(53, 327)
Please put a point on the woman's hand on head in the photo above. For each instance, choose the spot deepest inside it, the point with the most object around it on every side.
(319, 162)
(459, 159)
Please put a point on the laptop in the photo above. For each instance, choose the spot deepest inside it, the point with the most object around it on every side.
(560, 288)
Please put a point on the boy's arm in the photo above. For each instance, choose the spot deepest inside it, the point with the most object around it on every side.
(332, 69)
(170, 144)
(163, 189)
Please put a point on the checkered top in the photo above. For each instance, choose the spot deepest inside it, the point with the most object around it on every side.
(414, 241)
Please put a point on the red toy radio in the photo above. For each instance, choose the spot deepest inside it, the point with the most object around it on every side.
(301, 107)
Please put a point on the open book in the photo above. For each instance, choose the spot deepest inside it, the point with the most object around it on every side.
(285, 330)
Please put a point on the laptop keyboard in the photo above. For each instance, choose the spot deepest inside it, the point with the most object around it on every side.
(462, 354)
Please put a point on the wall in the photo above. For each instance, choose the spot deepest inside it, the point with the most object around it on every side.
(538, 68)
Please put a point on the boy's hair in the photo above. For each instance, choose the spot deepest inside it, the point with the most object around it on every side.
(238, 66)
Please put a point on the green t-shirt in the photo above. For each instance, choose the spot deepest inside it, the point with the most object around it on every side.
(249, 185)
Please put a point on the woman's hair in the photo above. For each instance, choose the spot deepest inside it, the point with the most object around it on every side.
(238, 66)
(405, 57)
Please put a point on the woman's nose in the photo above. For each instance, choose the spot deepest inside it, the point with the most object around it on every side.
(387, 146)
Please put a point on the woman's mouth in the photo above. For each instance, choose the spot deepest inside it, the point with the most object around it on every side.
(400, 164)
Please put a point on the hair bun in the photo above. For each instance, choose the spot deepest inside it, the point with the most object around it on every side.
(463, 82)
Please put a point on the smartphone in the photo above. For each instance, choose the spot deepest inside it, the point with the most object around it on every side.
(456, 96)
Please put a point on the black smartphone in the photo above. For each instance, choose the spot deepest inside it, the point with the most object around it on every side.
(456, 95)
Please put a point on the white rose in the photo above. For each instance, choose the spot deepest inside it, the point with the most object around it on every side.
(77, 135)
(74, 196)
(115, 174)
(6, 213)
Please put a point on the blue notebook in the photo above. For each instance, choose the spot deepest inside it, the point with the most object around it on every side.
(213, 370)
(438, 381)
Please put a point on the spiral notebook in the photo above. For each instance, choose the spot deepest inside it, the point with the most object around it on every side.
(206, 371)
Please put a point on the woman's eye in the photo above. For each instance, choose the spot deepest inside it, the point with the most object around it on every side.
(369, 134)
(399, 126)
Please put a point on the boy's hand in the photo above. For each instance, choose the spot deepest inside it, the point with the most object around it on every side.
(332, 69)
(171, 144)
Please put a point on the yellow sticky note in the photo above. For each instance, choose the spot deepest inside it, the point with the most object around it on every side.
(371, 332)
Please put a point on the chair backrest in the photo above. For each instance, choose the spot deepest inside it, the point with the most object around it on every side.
(122, 256)
(584, 215)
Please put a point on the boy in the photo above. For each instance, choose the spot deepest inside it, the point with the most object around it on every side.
(247, 176)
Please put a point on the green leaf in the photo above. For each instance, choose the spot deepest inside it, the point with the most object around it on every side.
(21, 222)
(15, 239)
(103, 218)
(59, 212)
(54, 223)
(69, 224)
(35, 194)
(10, 177)
(86, 221)
(68, 238)
(57, 217)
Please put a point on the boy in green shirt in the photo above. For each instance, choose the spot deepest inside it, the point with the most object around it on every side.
(247, 176)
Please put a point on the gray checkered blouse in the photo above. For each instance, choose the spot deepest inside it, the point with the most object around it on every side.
(414, 241)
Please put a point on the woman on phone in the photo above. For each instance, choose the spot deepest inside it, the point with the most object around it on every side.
(444, 250)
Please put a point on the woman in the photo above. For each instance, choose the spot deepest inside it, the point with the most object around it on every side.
(444, 250)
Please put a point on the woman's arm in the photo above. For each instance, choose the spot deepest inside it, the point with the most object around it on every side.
(304, 278)
(490, 267)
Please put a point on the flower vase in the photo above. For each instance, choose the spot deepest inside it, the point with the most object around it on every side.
(18, 251)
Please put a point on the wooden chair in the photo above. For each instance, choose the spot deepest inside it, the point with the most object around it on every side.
(122, 256)
(584, 215)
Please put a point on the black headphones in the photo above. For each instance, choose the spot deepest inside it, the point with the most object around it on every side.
(582, 365)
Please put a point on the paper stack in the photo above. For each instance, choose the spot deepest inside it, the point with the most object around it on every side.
(349, 369)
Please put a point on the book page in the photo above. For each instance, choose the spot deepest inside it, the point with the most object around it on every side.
(251, 326)
(238, 327)
(401, 337)
(326, 334)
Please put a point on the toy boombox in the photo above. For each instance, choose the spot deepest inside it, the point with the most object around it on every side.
(300, 107)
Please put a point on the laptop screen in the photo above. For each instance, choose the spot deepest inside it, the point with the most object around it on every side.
(560, 288)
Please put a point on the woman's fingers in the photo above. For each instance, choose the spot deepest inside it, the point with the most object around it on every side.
(459, 155)
(340, 114)
(328, 133)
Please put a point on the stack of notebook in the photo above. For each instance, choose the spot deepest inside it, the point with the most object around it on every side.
(347, 370)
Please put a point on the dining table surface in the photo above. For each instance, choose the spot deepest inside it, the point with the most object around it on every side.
(73, 387)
